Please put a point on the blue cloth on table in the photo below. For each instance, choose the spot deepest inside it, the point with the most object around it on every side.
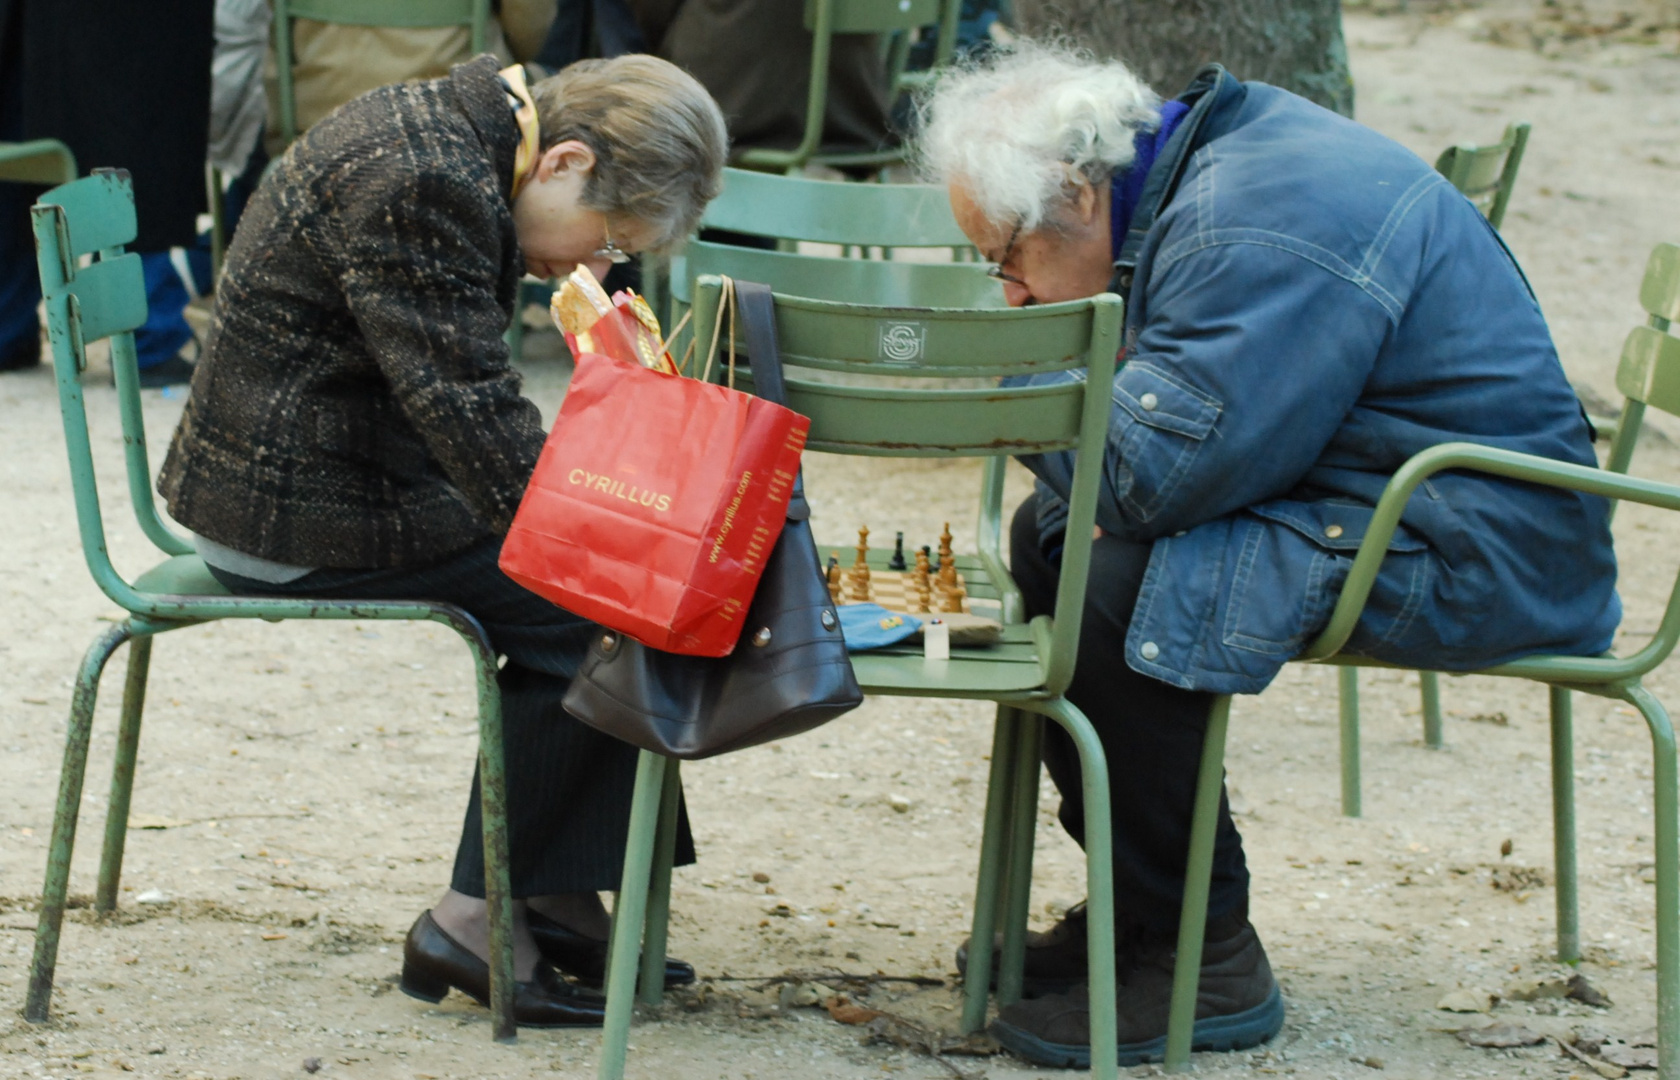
(871, 626)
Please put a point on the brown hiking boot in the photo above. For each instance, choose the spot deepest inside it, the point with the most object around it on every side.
(1056, 959)
(1238, 1003)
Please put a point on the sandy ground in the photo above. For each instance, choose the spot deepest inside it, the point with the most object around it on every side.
(300, 786)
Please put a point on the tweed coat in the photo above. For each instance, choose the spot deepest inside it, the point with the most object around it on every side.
(356, 406)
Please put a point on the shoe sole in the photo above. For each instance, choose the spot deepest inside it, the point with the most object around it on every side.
(1238, 1031)
(431, 995)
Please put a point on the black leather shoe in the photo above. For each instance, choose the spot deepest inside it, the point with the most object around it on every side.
(584, 958)
(434, 962)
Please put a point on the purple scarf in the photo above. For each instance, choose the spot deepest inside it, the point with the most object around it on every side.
(1128, 186)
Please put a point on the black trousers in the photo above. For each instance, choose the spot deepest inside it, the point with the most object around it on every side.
(568, 786)
(1151, 733)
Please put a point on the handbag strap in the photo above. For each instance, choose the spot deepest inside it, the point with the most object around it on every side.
(764, 356)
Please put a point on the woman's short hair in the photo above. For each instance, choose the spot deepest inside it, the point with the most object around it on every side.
(1015, 128)
(659, 139)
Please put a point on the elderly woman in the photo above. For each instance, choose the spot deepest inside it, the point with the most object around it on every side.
(1307, 305)
(355, 429)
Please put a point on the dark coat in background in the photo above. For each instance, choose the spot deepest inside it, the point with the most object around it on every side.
(356, 406)
(124, 85)
(754, 56)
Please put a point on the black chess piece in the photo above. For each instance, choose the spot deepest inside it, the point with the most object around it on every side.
(897, 561)
(933, 560)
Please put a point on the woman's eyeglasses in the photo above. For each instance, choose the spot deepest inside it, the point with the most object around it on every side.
(996, 269)
(609, 250)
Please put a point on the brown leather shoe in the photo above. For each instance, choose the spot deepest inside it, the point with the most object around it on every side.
(1056, 959)
(584, 958)
(434, 962)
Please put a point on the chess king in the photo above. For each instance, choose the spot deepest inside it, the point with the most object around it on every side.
(1307, 305)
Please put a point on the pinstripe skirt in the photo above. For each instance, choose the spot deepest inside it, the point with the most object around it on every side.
(569, 786)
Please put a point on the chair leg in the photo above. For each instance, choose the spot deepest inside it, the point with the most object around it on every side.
(989, 879)
(1192, 923)
(1347, 679)
(492, 796)
(122, 775)
(651, 986)
(1563, 827)
(1099, 884)
(1429, 685)
(1667, 811)
(1017, 873)
(55, 890)
(630, 913)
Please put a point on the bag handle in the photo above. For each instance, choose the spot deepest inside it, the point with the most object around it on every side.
(764, 355)
(726, 306)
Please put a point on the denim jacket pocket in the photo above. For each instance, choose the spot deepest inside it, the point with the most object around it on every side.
(1161, 425)
(1290, 562)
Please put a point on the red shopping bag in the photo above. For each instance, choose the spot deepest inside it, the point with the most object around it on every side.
(655, 503)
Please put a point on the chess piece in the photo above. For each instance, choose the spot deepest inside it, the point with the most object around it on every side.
(897, 560)
(923, 597)
(927, 553)
(860, 584)
(862, 548)
(834, 576)
(954, 599)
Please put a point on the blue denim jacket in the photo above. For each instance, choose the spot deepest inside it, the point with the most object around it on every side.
(1309, 305)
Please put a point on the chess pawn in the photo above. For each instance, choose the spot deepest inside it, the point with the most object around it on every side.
(923, 597)
(860, 584)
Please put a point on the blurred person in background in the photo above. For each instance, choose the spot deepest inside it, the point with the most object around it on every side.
(126, 86)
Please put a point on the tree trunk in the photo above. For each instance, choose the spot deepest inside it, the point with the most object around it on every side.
(1295, 44)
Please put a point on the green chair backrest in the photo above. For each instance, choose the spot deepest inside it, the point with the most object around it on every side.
(38, 161)
(106, 298)
(474, 14)
(1649, 371)
(1486, 174)
(862, 373)
(833, 212)
(895, 282)
(824, 19)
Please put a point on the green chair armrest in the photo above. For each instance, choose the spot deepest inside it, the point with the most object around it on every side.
(1527, 467)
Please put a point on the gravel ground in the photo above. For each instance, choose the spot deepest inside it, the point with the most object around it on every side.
(265, 897)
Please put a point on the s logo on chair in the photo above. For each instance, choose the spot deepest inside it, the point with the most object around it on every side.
(901, 342)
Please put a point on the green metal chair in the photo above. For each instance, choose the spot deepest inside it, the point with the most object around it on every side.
(107, 299)
(1485, 175)
(38, 161)
(1649, 375)
(1026, 674)
(858, 217)
(824, 19)
(474, 14)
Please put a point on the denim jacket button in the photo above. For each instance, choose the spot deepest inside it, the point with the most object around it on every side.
(1149, 650)
(1332, 531)
(1149, 402)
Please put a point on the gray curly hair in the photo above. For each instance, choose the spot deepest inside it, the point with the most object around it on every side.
(659, 139)
(1016, 127)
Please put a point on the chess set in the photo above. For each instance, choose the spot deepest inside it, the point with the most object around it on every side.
(929, 588)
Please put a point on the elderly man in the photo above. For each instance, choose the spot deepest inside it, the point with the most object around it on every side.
(1308, 305)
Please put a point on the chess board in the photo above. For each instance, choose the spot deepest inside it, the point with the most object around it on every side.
(895, 591)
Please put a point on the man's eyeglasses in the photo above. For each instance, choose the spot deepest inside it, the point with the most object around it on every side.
(609, 250)
(996, 269)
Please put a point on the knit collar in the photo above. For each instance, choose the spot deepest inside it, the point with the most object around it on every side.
(1127, 187)
(524, 115)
